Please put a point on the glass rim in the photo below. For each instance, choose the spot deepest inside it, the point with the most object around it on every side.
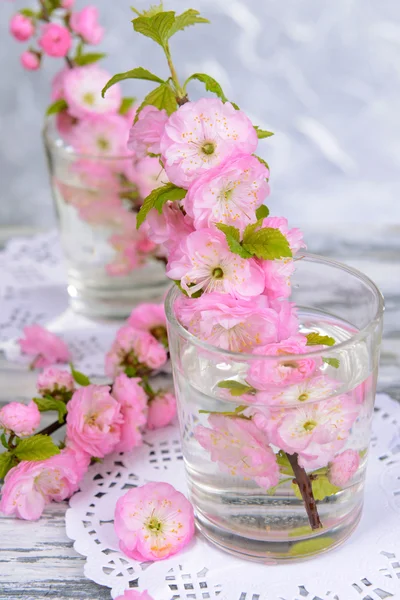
(174, 292)
(51, 143)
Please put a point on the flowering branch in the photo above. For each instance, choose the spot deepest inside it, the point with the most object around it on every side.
(304, 483)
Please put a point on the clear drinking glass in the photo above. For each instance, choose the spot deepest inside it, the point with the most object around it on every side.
(111, 266)
(237, 510)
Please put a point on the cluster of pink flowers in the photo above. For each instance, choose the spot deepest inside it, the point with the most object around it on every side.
(100, 419)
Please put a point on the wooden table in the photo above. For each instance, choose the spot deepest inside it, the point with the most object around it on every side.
(37, 560)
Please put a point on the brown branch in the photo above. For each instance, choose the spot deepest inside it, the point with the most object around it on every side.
(182, 101)
(51, 428)
(305, 487)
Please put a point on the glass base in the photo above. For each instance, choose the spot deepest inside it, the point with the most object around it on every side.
(293, 548)
(113, 299)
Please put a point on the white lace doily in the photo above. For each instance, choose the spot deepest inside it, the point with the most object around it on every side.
(366, 567)
(33, 289)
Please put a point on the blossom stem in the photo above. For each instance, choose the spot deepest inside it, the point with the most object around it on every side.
(51, 428)
(304, 483)
(181, 96)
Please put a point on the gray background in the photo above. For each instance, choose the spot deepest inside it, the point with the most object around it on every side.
(325, 76)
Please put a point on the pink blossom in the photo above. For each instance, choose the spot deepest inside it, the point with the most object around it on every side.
(203, 261)
(134, 595)
(65, 124)
(169, 227)
(149, 175)
(343, 467)
(153, 521)
(82, 89)
(100, 135)
(310, 390)
(21, 27)
(150, 318)
(145, 134)
(229, 193)
(133, 402)
(55, 40)
(46, 347)
(127, 257)
(162, 410)
(19, 418)
(54, 381)
(240, 449)
(134, 349)
(265, 374)
(287, 316)
(85, 23)
(277, 275)
(107, 212)
(94, 421)
(314, 431)
(29, 486)
(200, 135)
(232, 324)
(30, 60)
(294, 236)
(57, 84)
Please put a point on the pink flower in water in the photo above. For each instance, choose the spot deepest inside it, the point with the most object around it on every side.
(311, 390)
(134, 595)
(133, 402)
(145, 134)
(55, 40)
(21, 27)
(100, 135)
(201, 135)
(85, 23)
(204, 262)
(94, 421)
(127, 257)
(65, 124)
(30, 61)
(277, 274)
(229, 193)
(153, 521)
(21, 419)
(287, 316)
(46, 347)
(150, 318)
(29, 486)
(343, 467)
(266, 374)
(232, 324)
(55, 382)
(315, 431)
(82, 89)
(162, 410)
(149, 175)
(134, 349)
(240, 449)
(294, 235)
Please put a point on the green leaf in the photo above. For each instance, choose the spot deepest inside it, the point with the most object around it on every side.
(189, 17)
(283, 463)
(311, 546)
(126, 105)
(3, 440)
(79, 377)
(138, 73)
(27, 12)
(157, 198)
(267, 243)
(153, 10)
(49, 403)
(262, 161)
(56, 107)
(162, 97)
(333, 362)
(299, 531)
(210, 84)
(37, 447)
(89, 58)
(194, 295)
(130, 371)
(235, 387)
(233, 238)
(321, 487)
(262, 133)
(157, 27)
(315, 339)
(262, 212)
(6, 463)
